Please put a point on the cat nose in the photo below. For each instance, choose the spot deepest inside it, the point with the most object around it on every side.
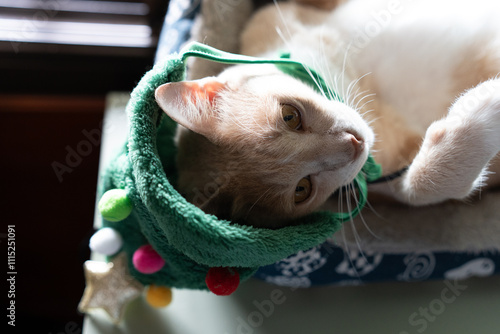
(358, 144)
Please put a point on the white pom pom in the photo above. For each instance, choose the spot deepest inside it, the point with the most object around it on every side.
(106, 241)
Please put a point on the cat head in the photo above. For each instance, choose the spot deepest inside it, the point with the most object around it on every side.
(261, 147)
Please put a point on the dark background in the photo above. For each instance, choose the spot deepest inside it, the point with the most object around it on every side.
(50, 94)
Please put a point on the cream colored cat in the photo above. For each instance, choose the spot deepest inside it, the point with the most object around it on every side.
(421, 89)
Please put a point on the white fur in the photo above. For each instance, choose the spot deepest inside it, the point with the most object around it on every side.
(385, 38)
(411, 61)
(410, 51)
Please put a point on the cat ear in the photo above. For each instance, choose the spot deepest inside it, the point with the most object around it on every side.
(191, 103)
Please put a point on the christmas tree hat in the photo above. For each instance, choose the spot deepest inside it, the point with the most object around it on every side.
(169, 241)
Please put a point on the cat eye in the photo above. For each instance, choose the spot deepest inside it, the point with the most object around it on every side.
(291, 116)
(303, 190)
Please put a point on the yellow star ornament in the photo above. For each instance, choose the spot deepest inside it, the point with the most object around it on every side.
(109, 287)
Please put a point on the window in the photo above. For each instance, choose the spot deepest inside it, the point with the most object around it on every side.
(31, 25)
(56, 36)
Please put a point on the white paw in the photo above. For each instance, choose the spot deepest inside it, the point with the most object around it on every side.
(479, 109)
(456, 150)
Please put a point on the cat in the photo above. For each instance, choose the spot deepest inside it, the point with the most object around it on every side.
(420, 87)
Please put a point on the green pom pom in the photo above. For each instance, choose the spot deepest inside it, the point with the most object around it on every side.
(115, 205)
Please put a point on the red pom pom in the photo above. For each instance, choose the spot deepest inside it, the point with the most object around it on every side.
(222, 281)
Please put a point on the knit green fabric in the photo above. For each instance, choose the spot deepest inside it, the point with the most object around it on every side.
(189, 240)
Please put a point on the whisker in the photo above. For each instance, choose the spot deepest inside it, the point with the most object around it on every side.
(347, 252)
(352, 194)
(332, 81)
(370, 206)
(361, 99)
(357, 239)
(352, 85)
(341, 196)
(325, 69)
(282, 18)
(316, 82)
(319, 68)
(358, 93)
(350, 88)
(364, 104)
(370, 122)
(258, 199)
(282, 36)
(344, 68)
(346, 244)
(363, 219)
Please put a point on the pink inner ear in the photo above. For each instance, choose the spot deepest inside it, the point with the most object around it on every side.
(207, 90)
(174, 98)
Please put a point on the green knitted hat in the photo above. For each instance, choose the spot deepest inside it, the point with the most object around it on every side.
(168, 241)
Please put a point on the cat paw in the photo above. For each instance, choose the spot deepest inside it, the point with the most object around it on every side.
(479, 110)
(453, 159)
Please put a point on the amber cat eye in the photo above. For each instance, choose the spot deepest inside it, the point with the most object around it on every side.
(291, 116)
(303, 190)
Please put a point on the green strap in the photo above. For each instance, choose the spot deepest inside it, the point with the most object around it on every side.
(370, 171)
(198, 50)
(284, 64)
